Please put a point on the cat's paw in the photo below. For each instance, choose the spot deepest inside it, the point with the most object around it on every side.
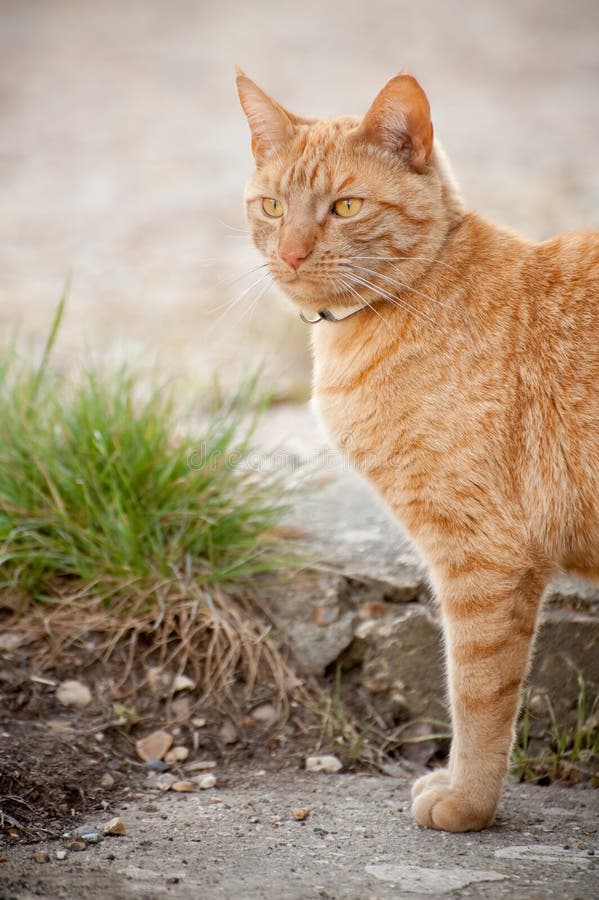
(439, 776)
(437, 805)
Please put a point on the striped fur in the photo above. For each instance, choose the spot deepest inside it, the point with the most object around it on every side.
(466, 394)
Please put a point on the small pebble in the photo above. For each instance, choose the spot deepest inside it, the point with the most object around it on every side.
(300, 813)
(265, 713)
(327, 763)
(87, 833)
(77, 845)
(115, 826)
(204, 782)
(177, 755)
(165, 781)
(202, 764)
(183, 787)
(10, 640)
(107, 781)
(573, 844)
(61, 854)
(154, 746)
(92, 837)
(73, 693)
(228, 733)
(157, 765)
(183, 683)
(182, 708)
(41, 856)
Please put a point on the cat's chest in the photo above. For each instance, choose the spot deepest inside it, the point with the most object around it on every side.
(401, 414)
(369, 429)
(376, 410)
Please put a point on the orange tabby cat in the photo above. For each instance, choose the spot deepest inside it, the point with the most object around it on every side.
(464, 361)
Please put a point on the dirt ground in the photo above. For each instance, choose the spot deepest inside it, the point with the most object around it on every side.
(54, 756)
(63, 768)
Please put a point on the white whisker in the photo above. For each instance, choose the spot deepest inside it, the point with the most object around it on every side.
(253, 304)
(398, 284)
(385, 295)
(352, 290)
(233, 303)
(430, 259)
(233, 227)
(229, 282)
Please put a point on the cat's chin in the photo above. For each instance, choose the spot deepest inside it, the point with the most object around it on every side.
(308, 294)
(311, 300)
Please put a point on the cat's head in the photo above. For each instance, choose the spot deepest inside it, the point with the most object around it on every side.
(344, 209)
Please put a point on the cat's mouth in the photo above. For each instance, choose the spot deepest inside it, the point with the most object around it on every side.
(309, 291)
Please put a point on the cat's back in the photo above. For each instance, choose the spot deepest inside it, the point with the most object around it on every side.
(564, 281)
(568, 265)
(561, 283)
(535, 307)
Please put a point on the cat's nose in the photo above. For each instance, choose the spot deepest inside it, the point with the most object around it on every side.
(295, 256)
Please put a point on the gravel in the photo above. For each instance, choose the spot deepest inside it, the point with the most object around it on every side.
(357, 842)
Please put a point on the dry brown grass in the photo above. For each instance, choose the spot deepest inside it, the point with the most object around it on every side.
(223, 641)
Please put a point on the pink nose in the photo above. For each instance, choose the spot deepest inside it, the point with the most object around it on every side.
(294, 257)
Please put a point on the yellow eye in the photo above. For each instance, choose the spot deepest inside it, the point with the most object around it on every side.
(272, 207)
(347, 207)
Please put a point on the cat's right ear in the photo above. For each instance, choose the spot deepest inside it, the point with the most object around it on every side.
(272, 126)
(400, 120)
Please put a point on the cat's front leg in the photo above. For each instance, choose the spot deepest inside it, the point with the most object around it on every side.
(489, 619)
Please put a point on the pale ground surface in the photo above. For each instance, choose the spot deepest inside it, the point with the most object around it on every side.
(122, 152)
(357, 844)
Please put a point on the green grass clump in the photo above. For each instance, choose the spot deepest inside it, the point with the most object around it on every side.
(564, 753)
(103, 490)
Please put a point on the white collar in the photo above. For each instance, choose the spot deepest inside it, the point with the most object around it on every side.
(333, 313)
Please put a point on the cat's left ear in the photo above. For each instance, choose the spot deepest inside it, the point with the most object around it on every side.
(272, 126)
(400, 120)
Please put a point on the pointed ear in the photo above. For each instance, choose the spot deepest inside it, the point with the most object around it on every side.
(400, 120)
(271, 125)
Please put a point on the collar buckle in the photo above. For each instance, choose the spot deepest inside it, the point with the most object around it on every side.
(308, 321)
(328, 316)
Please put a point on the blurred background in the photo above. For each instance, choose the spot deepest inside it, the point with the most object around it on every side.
(123, 152)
